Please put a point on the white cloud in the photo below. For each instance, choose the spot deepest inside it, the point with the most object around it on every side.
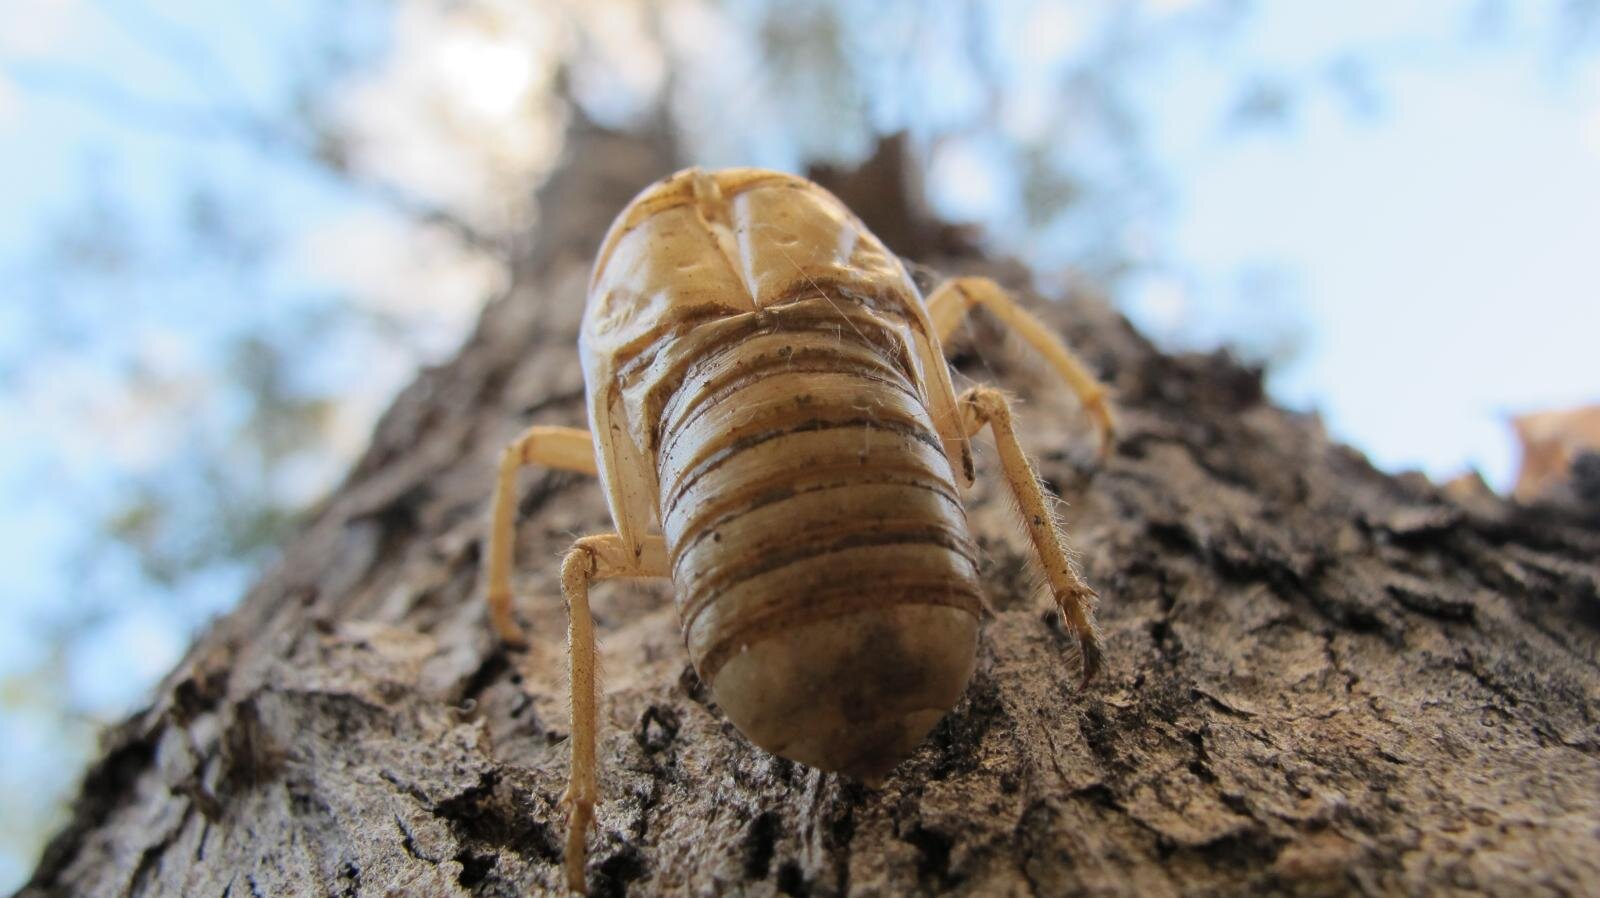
(968, 181)
(38, 28)
(10, 102)
(1589, 130)
(460, 113)
(625, 69)
(1170, 7)
(1051, 32)
(388, 264)
(489, 74)
(1161, 304)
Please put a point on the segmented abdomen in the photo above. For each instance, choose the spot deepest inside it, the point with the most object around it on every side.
(802, 480)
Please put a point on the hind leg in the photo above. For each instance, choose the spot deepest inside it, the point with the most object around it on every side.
(949, 304)
(985, 405)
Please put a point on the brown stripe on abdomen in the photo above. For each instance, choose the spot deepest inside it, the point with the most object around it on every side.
(802, 481)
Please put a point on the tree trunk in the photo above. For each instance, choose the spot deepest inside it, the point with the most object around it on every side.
(1321, 679)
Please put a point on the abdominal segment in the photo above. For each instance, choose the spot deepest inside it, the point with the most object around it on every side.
(824, 576)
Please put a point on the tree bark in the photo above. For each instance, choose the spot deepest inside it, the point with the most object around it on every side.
(1321, 679)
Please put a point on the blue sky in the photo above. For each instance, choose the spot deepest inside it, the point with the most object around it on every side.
(1440, 249)
(55, 475)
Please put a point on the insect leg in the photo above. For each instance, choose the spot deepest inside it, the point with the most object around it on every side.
(985, 405)
(949, 304)
(563, 448)
(592, 558)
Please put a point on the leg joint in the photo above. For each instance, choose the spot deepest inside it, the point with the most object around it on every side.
(985, 405)
(512, 457)
(579, 564)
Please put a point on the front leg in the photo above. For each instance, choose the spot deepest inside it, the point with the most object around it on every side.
(592, 558)
(985, 405)
(562, 448)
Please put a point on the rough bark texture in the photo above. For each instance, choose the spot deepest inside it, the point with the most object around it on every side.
(1322, 679)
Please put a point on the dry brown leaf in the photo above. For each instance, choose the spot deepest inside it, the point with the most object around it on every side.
(1551, 442)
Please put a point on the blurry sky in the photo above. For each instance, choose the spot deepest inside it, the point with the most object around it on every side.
(230, 232)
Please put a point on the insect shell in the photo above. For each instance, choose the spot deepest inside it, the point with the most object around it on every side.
(765, 382)
(762, 373)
